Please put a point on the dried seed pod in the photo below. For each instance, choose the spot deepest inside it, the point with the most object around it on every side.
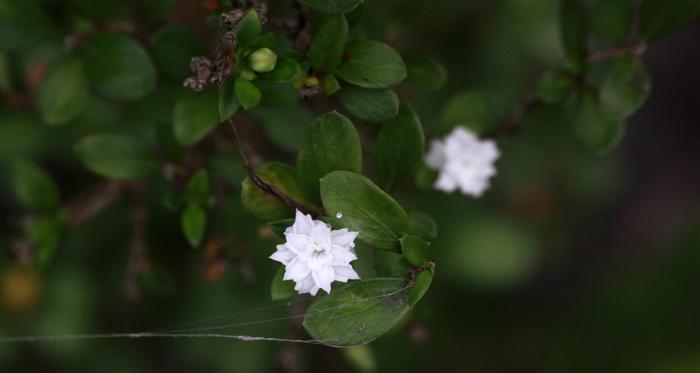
(201, 67)
(229, 39)
(193, 84)
(309, 92)
(231, 18)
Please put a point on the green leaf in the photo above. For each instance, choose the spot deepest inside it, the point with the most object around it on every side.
(420, 287)
(371, 64)
(477, 110)
(119, 66)
(287, 70)
(249, 28)
(612, 19)
(365, 208)
(415, 250)
(400, 148)
(247, 93)
(425, 73)
(228, 104)
(33, 187)
(266, 206)
(361, 358)
(330, 144)
(625, 88)
(193, 222)
(46, 235)
(371, 105)
(116, 156)
(333, 6)
(64, 94)
(358, 312)
(173, 46)
(328, 44)
(388, 263)
(331, 85)
(662, 17)
(554, 86)
(592, 127)
(573, 27)
(279, 226)
(268, 40)
(22, 24)
(284, 124)
(196, 114)
(423, 225)
(198, 186)
(280, 289)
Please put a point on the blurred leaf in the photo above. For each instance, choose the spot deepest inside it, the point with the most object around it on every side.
(22, 134)
(193, 221)
(612, 19)
(198, 186)
(249, 28)
(661, 17)
(400, 147)
(287, 70)
(554, 86)
(280, 289)
(357, 312)
(330, 144)
(331, 85)
(425, 177)
(228, 104)
(265, 206)
(573, 27)
(268, 40)
(116, 156)
(167, 142)
(159, 10)
(476, 110)
(365, 208)
(196, 114)
(173, 46)
(371, 105)
(592, 127)
(328, 44)
(625, 88)
(423, 226)
(425, 73)
(361, 358)
(333, 6)
(64, 94)
(22, 24)
(284, 125)
(421, 285)
(34, 188)
(371, 64)
(415, 250)
(119, 66)
(247, 93)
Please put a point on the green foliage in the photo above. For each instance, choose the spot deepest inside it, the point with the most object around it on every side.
(612, 19)
(371, 105)
(33, 187)
(625, 88)
(330, 144)
(574, 27)
(285, 71)
(660, 18)
(193, 221)
(425, 73)
(280, 289)
(421, 285)
(333, 6)
(196, 115)
(592, 127)
(371, 64)
(423, 226)
(172, 47)
(119, 66)
(328, 44)
(415, 250)
(64, 94)
(266, 206)
(365, 208)
(249, 28)
(228, 103)
(116, 156)
(400, 148)
(358, 312)
(247, 93)
(554, 86)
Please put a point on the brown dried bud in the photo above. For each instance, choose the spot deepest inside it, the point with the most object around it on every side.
(201, 67)
(231, 18)
(229, 39)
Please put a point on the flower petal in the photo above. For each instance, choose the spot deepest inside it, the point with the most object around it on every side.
(282, 255)
(343, 237)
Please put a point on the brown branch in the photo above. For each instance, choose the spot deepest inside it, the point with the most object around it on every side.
(264, 186)
(635, 48)
(87, 205)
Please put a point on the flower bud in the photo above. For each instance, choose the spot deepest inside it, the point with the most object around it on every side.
(263, 60)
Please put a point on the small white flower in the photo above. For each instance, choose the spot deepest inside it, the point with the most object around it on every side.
(463, 162)
(315, 255)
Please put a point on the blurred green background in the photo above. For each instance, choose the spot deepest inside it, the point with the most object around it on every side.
(573, 262)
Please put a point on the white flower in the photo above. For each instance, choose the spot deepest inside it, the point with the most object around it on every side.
(315, 255)
(463, 162)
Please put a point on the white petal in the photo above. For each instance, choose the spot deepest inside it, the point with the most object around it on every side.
(297, 243)
(296, 270)
(323, 277)
(436, 155)
(304, 285)
(313, 290)
(346, 271)
(445, 183)
(282, 255)
(342, 255)
(343, 237)
(302, 223)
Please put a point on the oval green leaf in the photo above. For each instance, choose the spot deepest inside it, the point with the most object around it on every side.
(64, 94)
(195, 115)
(612, 19)
(400, 148)
(425, 73)
(371, 105)
(371, 64)
(328, 44)
(266, 206)
(228, 103)
(119, 66)
(365, 208)
(33, 187)
(247, 93)
(358, 312)
(116, 156)
(193, 222)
